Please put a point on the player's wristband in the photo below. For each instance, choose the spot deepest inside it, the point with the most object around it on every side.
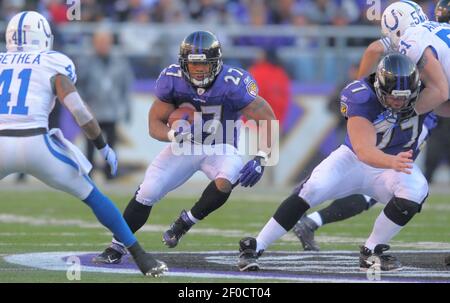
(99, 142)
(263, 155)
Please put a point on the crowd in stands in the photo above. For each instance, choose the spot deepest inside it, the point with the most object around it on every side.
(245, 12)
(311, 62)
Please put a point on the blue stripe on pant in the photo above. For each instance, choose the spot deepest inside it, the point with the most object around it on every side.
(58, 155)
(108, 214)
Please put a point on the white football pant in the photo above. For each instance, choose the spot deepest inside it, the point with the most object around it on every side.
(45, 158)
(169, 170)
(342, 174)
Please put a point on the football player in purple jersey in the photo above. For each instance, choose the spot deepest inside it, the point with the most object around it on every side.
(376, 159)
(222, 94)
(347, 207)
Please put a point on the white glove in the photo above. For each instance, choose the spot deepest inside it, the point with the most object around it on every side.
(110, 156)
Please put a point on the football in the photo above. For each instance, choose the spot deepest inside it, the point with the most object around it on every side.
(186, 113)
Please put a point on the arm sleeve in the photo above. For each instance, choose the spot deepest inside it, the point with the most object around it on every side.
(386, 44)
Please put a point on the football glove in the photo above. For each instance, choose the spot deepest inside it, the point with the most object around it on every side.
(110, 156)
(251, 172)
(186, 135)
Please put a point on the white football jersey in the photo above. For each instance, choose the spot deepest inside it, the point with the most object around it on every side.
(26, 95)
(428, 34)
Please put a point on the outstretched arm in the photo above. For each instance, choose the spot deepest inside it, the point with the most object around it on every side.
(370, 58)
(261, 112)
(68, 95)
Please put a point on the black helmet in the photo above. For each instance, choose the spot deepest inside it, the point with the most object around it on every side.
(397, 76)
(442, 11)
(201, 46)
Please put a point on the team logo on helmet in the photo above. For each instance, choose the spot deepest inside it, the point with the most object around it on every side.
(42, 23)
(394, 27)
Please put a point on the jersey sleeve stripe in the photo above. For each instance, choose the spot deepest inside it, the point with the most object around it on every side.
(386, 44)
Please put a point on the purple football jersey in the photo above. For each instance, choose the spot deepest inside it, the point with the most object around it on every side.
(232, 90)
(394, 135)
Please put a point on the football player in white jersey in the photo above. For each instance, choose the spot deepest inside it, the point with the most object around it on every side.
(427, 44)
(442, 13)
(372, 55)
(31, 77)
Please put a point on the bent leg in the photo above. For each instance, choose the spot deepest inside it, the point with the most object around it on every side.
(223, 170)
(53, 165)
(408, 192)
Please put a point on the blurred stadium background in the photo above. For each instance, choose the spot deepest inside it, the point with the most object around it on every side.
(311, 48)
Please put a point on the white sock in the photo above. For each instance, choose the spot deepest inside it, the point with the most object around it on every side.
(192, 218)
(383, 231)
(315, 216)
(271, 232)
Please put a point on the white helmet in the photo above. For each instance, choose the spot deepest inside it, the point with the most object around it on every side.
(28, 31)
(398, 16)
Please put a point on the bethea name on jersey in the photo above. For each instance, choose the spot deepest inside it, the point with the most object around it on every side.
(20, 58)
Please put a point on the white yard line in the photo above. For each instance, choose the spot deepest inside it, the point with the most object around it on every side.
(231, 233)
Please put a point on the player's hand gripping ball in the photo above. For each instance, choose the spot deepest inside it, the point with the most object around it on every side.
(181, 113)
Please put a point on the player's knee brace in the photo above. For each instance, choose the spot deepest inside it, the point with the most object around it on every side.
(290, 211)
(400, 211)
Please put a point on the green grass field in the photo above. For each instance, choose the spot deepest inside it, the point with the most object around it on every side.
(49, 221)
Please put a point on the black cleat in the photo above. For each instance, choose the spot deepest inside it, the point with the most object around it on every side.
(304, 230)
(377, 259)
(248, 257)
(111, 255)
(172, 236)
(149, 266)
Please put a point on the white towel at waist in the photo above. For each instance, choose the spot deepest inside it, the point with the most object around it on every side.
(84, 166)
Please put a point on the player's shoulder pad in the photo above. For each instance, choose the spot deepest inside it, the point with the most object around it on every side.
(355, 94)
(238, 80)
(418, 34)
(165, 82)
(57, 57)
(170, 73)
(61, 63)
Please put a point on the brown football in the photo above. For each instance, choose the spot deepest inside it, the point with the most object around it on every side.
(181, 113)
